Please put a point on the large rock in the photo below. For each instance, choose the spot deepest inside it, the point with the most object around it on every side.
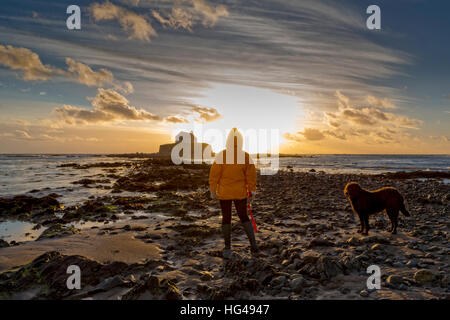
(350, 263)
(27, 204)
(3, 243)
(321, 267)
(152, 288)
(47, 275)
(310, 257)
(297, 283)
(329, 267)
(58, 230)
(319, 242)
(423, 276)
(278, 281)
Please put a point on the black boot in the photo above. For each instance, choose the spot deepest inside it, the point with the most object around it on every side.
(226, 231)
(251, 236)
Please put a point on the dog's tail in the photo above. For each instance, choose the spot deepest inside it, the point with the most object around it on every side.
(403, 209)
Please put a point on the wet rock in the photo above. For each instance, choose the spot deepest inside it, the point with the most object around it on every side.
(325, 267)
(310, 257)
(329, 267)
(377, 247)
(278, 281)
(203, 288)
(319, 242)
(134, 228)
(3, 243)
(236, 289)
(48, 274)
(22, 205)
(110, 283)
(423, 276)
(154, 175)
(58, 230)
(376, 239)
(350, 263)
(364, 293)
(394, 280)
(416, 174)
(152, 288)
(195, 230)
(206, 276)
(87, 182)
(411, 264)
(353, 241)
(93, 207)
(297, 283)
(96, 165)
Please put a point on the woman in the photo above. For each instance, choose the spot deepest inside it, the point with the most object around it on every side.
(232, 178)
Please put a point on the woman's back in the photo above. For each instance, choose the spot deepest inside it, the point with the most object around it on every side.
(233, 174)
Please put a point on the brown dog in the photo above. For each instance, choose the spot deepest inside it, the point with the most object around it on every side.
(365, 203)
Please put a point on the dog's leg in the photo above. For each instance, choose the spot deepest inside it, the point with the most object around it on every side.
(361, 224)
(393, 216)
(395, 219)
(366, 225)
(389, 213)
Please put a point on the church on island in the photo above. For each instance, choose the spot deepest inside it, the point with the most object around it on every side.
(165, 150)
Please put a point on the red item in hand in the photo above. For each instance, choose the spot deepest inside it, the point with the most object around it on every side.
(251, 214)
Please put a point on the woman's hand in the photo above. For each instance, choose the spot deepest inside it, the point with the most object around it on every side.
(252, 195)
(213, 194)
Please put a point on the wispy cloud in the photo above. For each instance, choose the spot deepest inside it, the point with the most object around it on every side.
(131, 2)
(206, 114)
(370, 124)
(85, 75)
(26, 61)
(311, 134)
(368, 116)
(32, 68)
(109, 106)
(210, 13)
(177, 19)
(136, 25)
(176, 119)
(21, 135)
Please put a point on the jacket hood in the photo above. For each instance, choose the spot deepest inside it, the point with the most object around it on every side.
(235, 140)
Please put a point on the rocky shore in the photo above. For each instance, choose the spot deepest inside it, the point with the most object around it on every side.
(164, 241)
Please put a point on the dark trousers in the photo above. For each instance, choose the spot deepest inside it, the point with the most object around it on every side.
(241, 208)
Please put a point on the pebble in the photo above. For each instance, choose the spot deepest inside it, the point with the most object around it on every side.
(411, 264)
(423, 276)
(394, 280)
(364, 293)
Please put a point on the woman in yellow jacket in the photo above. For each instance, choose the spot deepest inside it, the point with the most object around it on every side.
(232, 178)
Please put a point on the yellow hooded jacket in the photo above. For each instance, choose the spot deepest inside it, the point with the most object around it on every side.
(232, 181)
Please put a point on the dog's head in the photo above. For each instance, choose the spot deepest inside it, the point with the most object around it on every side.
(352, 190)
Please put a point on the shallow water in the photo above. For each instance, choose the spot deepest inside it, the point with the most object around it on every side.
(19, 231)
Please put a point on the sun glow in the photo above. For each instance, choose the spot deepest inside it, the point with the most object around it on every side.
(253, 111)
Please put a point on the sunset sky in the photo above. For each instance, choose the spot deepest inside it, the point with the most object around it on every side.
(139, 71)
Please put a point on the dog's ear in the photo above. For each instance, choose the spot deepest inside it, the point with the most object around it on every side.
(346, 188)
